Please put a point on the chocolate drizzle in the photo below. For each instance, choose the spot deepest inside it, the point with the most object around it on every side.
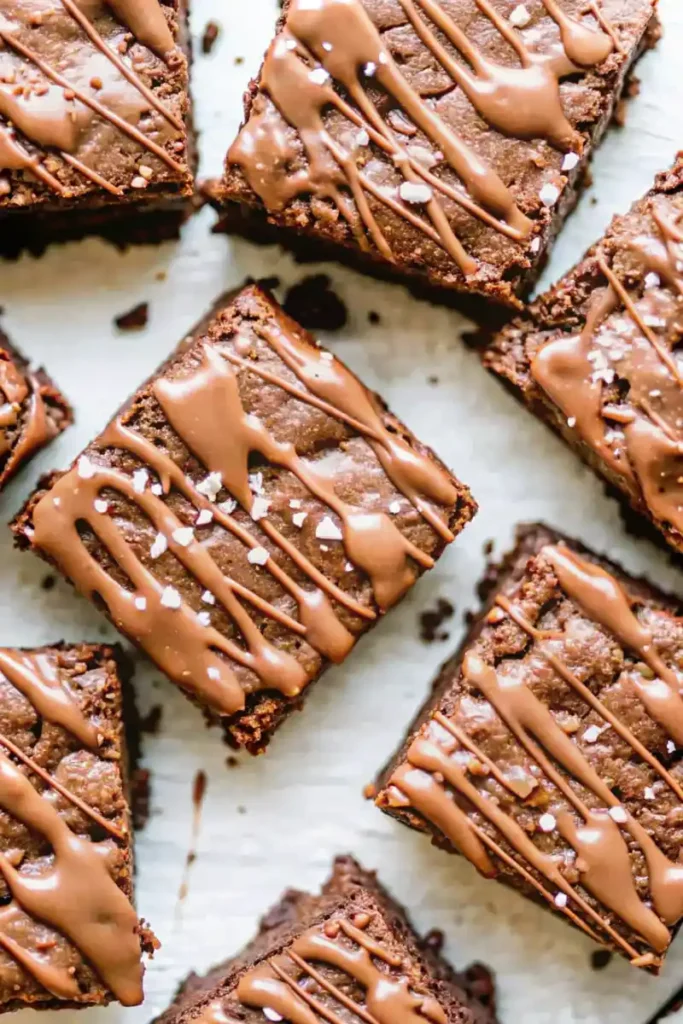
(281, 983)
(22, 413)
(639, 436)
(444, 758)
(334, 43)
(59, 114)
(205, 410)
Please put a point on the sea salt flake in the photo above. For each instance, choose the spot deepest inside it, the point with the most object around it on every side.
(228, 506)
(258, 556)
(213, 673)
(395, 507)
(256, 482)
(159, 546)
(140, 603)
(535, 245)
(571, 422)
(652, 280)
(362, 138)
(547, 822)
(204, 518)
(327, 47)
(649, 793)
(101, 505)
(208, 597)
(560, 900)
(204, 618)
(520, 17)
(184, 536)
(570, 161)
(259, 508)
(324, 547)
(326, 357)
(157, 489)
(423, 156)
(298, 518)
(415, 192)
(592, 733)
(328, 530)
(618, 814)
(549, 194)
(670, 746)
(295, 503)
(348, 567)
(369, 69)
(140, 480)
(653, 321)
(318, 76)
(86, 468)
(210, 486)
(170, 598)
(272, 1014)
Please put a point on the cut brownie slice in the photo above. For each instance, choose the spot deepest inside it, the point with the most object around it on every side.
(248, 513)
(95, 121)
(549, 750)
(597, 356)
(672, 1013)
(347, 955)
(32, 411)
(440, 141)
(69, 936)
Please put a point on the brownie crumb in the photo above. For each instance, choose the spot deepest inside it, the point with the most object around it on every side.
(232, 761)
(434, 940)
(135, 319)
(211, 33)
(433, 380)
(433, 619)
(600, 959)
(151, 722)
(140, 797)
(370, 791)
(481, 985)
(268, 284)
(314, 304)
(373, 317)
(488, 547)
(239, 60)
(241, 809)
(48, 582)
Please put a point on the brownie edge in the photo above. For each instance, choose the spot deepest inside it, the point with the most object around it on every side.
(347, 954)
(548, 751)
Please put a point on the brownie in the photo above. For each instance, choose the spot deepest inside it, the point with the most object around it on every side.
(69, 935)
(596, 358)
(671, 1013)
(95, 121)
(347, 955)
(548, 752)
(32, 411)
(247, 515)
(445, 142)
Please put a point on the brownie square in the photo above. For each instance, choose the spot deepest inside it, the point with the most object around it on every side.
(597, 357)
(95, 122)
(247, 515)
(348, 954)
(32, 411)
(549, 750)
(442, 142)
(69, 934)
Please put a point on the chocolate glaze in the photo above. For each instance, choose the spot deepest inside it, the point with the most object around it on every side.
(444, 758)
(24, 424)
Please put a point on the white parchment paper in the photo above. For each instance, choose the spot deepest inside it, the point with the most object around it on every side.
(277, 821)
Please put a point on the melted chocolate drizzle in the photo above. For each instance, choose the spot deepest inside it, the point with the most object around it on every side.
(334, 42)
(639, 437)
(76, 894)
(281, 983)
(22, 401)
(53, 113)
(205, 410)
(436, 762)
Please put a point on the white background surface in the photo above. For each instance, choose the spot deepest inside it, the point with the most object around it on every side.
(277, 821)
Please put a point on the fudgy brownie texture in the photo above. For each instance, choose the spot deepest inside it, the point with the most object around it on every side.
(248, 513)
(345, 956)
(597, 357)
(548, 752)
(69, 935)
(32, 411)
(95, 121)
(445, 141)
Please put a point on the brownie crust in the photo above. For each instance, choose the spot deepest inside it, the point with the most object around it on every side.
(110, 138)
(71, 939)
(593, 358)
(547, 669)
(319, 515)
(351, 895)
(32, 411)
(378, 167)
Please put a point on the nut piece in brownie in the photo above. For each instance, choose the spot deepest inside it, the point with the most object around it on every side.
(345, 956)
(597, 357)
(69, 935)
(32, 411)
(247, 515)
(549, 750)
(441, 141)
(95, 121)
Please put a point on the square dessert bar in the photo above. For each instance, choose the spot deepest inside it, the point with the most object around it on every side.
(549, 750)
(32, 411)
(69, 935)
(247, 514)
(597, 357)
(349, 954)
(95, 121)
(445, 142)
